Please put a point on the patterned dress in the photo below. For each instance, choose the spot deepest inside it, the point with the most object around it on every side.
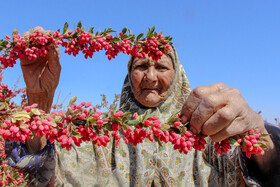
(146, 164)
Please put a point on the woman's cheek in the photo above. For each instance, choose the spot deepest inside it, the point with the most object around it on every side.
(136, 81)
(166, 81)
(136, 77)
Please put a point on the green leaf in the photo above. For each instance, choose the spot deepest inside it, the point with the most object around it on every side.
(159, 142)
(132, 37)
(139, 36)
(124, 30)
(2, 105)
(172, 119)
(186, 124)
(233, 142)
(76, 134)
(148, 33)
(75, 35)
(125, 127)
(72, 100)
(155, 34)
(58, 119)
(8, 99)
(130, 32)
(91, 30)
(147, 114)
(125, 36)
(117, 119)
(22, 125)
(21, 115)
(153, 29)
(79, 24)
(108, 127)
(13, 119)
(165, 127)
(79, 122)
(264, 135)
(92, 120)
(262, 144)
(133, 122)
(65, 27)
(3, 43)
(126, 116)
(36, 111)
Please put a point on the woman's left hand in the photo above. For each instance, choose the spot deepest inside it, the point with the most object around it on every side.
(220, 112)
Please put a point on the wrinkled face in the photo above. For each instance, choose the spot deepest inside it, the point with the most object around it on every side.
(151, 80)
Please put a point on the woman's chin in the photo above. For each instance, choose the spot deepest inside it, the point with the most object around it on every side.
(150, 101)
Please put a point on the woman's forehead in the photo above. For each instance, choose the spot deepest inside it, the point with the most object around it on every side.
(166, 59)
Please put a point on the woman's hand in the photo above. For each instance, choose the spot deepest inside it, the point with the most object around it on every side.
(41, 76)
(220, 112)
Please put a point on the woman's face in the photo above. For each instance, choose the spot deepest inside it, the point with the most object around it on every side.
(151, 80)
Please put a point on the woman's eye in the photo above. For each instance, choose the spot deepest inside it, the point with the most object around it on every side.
(141, 67)
(161, 67)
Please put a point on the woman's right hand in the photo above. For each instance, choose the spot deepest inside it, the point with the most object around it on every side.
(41, 75)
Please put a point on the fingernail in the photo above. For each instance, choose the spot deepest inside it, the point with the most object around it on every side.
(184, 119)
(193, 130)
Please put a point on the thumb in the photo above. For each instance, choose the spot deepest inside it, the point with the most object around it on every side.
(54, 59)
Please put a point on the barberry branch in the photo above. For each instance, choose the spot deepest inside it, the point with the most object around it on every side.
(38, 44)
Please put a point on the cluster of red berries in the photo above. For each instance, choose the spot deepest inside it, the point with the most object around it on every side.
(80, 124)
(252, 143)
(222, 147)
(6, 95)
(8, 176)
(35, 45)
(38, 44)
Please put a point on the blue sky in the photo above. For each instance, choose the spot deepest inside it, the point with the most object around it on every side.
(234, 42)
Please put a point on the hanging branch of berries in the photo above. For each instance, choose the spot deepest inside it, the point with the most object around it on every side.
(37, 44)
(82, 122)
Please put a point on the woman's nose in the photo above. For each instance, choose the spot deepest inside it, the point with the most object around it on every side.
(151, 74)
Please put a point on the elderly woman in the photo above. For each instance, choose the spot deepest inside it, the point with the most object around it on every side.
(215, 110)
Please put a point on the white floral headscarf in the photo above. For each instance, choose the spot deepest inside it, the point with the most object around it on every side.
(178, 93)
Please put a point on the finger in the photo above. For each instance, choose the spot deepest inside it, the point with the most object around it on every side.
(206, 108)
(188, 108)
(237, 126)
(26, 34)
(53, 60)
(48, 32)
(39, 60)
(195, 97)
(219, 120)
(39, 29)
